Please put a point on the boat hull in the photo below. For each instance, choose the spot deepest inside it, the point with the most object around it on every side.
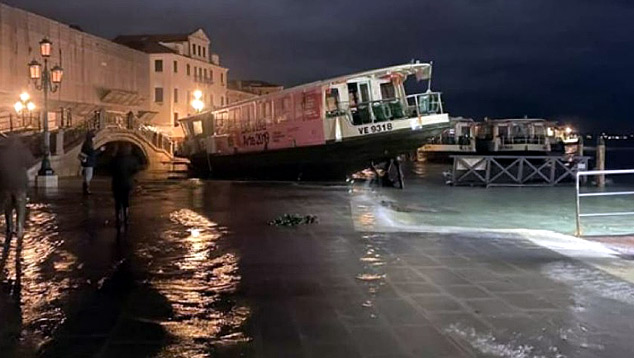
(331, 161)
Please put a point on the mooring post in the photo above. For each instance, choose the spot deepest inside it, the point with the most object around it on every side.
(601, 162)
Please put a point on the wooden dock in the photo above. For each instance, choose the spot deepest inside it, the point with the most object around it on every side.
(509, 170)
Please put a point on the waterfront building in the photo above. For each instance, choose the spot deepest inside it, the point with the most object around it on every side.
(179, 66)
(98, 73)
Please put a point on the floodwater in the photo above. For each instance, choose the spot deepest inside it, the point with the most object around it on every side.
(429, 202)
(201, 273)
(168, 283)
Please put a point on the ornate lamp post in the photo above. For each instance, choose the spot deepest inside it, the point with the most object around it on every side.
(198, 103)
(47, 81)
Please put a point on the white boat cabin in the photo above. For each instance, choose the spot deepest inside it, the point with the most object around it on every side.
(516, 135)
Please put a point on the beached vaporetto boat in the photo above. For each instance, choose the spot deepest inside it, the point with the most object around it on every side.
(322, 130)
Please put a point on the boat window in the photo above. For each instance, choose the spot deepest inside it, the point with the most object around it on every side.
(268, 113)
(282, 109)
(503, 131)
(353, 94)
(198, 127)
(387, 90)
(332, 100)
(365, 92)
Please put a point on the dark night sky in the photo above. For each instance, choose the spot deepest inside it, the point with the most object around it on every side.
(568, 60)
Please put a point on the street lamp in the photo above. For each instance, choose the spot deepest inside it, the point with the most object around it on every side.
(197, 103)
(24, 105)
(47, 81)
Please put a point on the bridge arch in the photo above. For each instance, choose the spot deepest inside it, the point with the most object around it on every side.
(158, 158)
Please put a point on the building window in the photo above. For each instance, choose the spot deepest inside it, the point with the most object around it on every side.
(158, 94)
(158, 65)
(222, 100)
(195, 71)
(175, 95)
(188, 70)
(175, 66)
(205, 73)
(175, 119)
(199, 50)
(193, 49)
(204, 52)
(211, 75)
(222, 78)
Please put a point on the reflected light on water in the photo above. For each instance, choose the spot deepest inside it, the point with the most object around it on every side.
(197, 280)
(42, 288)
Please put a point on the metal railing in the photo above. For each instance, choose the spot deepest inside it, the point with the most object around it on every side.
(580, 195)
(415, 105)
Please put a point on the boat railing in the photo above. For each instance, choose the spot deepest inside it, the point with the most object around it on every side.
(388, 109)
(424, 104)
(511, 140)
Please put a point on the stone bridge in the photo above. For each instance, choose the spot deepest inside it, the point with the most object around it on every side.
(156, 149)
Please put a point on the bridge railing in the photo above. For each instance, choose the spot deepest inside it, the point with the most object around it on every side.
(129, 122)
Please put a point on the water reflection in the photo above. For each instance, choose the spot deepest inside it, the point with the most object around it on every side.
(198, 281)
(37, 289)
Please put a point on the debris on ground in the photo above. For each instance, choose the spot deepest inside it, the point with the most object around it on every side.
(293, 220)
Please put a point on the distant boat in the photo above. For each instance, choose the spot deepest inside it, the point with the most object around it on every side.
(529, 136)
(322, 130)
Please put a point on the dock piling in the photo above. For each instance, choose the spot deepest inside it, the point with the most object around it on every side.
(600, 162)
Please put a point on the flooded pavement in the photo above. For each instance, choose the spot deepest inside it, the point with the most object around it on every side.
(201, 273)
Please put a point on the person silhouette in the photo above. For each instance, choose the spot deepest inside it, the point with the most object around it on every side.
(15, 159)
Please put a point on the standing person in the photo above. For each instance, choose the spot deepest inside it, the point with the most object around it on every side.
(88, 158)
(15, 159)
(124, 167)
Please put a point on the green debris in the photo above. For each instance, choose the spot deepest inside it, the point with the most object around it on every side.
(293, 220)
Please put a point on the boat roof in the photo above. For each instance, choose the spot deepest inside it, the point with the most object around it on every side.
(422, 70)
(517, 120)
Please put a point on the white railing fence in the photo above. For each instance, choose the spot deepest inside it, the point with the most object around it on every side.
(580, 195)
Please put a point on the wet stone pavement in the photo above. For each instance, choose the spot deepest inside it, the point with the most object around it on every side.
(202, 274)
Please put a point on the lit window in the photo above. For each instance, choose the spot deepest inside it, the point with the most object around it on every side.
(158, 65)
(158, 94)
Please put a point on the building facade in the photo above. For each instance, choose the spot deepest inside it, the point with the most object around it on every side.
(98, 74)
(179, 66)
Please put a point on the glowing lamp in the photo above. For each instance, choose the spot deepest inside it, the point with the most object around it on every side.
(24, 97)
(198, 105)
(45, 47)
(56, 74)
(35, 70)
(30, 106)
(18, 107)
(198, 94)
(568, 130)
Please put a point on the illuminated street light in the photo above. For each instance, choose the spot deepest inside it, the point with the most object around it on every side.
(18, 107)
(24, 106)
(47, 81)
(197, 103)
